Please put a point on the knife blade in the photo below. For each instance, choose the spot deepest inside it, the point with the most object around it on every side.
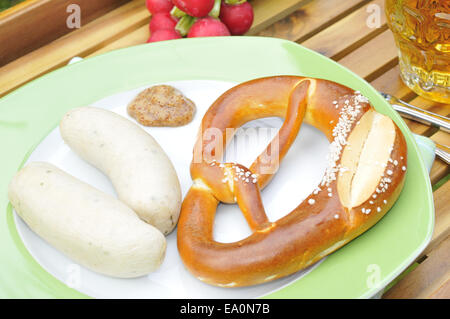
(417, 114)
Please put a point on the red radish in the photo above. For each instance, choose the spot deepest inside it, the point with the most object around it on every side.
(159, 6)
(195, 8)
(164, 34)
(161, 21)
(238, 18)
(208, 27)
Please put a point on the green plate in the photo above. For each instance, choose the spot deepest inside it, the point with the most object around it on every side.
(358, 270)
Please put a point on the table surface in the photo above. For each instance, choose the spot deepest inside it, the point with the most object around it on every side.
(341, 30)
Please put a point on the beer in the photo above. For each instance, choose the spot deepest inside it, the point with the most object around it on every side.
(421, 30)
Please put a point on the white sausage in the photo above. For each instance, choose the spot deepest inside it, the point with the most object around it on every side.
(142, 174)
(91, 227)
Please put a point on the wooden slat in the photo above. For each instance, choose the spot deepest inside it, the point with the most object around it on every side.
(390, 82)
(268, 12)
(442, 217)
(373, 58)
(438, 171)
(16, 8)
(443, 292)
(33, 24)
(442, 138)
(347, 34)
(438, 108)
(82, 42)
(427, 279)
(311, 18)
(138, 36)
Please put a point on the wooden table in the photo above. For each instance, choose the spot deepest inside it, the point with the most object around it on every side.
(337, 29)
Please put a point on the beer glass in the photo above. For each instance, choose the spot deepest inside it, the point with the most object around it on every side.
(421, 30)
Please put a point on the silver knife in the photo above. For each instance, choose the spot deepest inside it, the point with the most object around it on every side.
(417, 114)
(422, 116)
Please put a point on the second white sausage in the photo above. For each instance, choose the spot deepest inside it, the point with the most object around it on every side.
(139, 169)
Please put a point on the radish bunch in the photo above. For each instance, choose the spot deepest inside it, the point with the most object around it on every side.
(173, 19)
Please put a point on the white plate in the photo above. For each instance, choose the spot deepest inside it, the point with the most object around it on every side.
(300, 171)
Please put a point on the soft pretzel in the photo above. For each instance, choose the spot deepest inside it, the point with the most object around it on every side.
(365, 174)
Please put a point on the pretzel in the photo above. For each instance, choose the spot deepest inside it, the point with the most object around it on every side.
(365, 172)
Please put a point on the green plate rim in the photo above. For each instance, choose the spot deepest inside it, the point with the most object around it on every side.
(220, 47)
